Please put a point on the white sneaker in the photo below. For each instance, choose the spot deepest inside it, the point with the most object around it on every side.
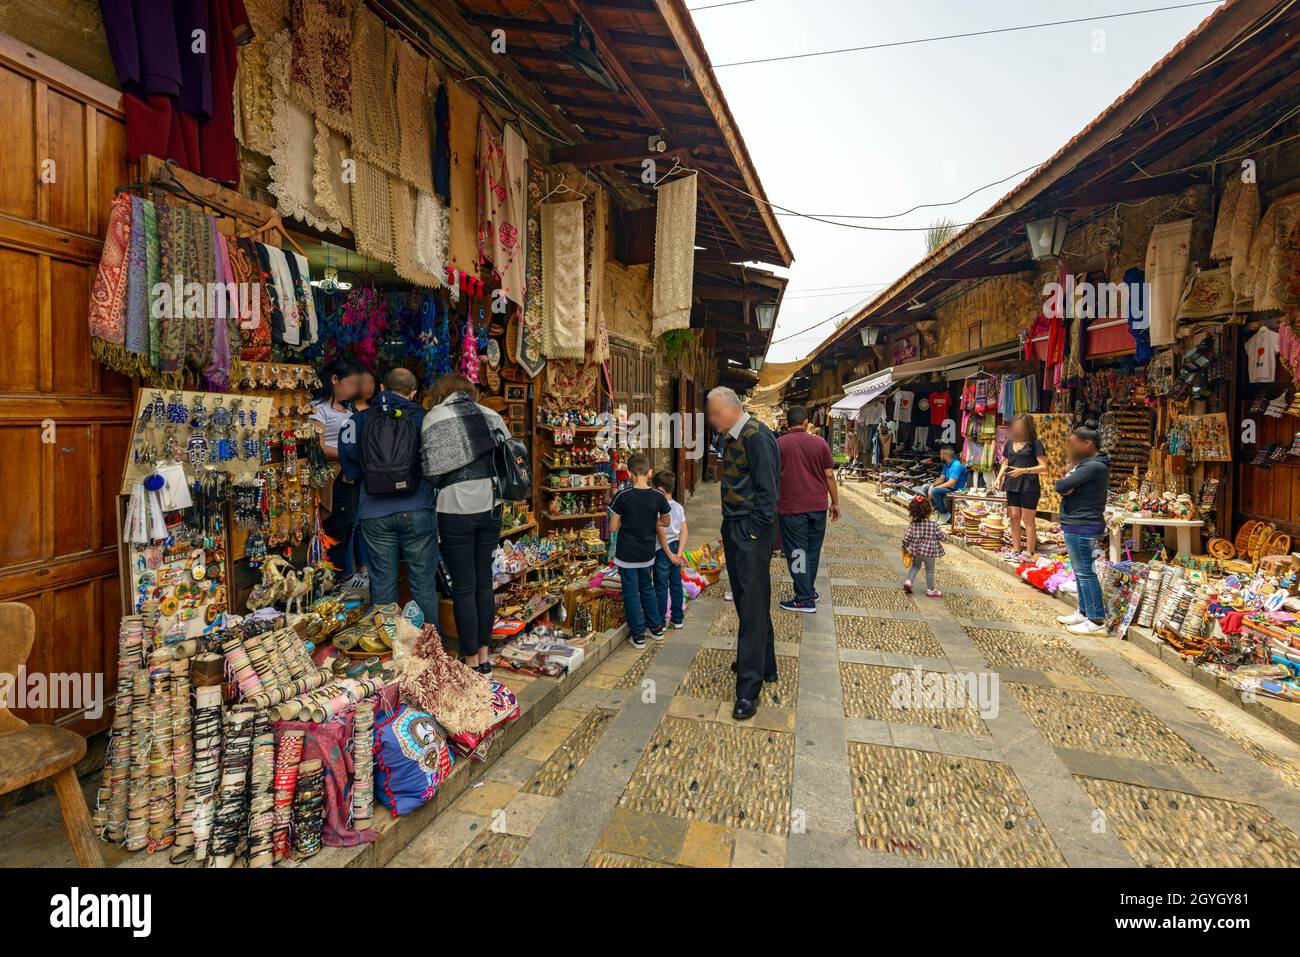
(1088, 628)
(1071, 619)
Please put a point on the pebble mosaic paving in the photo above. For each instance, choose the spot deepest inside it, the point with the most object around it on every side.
(936, 807)
(787, 626)
(1162, 828)
(631, 780)
(711, 679)
(887, 634)
(1014, 649)
(1103, 724)
(559, 769)
(863, 596)
(902, 696)
(990, 609)
(734, 775)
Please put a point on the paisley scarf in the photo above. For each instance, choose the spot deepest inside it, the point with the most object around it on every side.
(108, 295)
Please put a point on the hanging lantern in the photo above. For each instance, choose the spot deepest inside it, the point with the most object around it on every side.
(756, 363)
(816, 367)
(1047, 236)
(870, 335)
(765, 315)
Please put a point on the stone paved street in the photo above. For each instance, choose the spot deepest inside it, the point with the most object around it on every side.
(1085, 753)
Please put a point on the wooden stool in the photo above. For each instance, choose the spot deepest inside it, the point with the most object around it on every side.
(30, 753)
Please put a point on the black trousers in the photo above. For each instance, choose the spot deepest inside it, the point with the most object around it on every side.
(467, 543)
(749, 568)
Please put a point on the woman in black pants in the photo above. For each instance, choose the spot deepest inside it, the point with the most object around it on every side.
(458, 440)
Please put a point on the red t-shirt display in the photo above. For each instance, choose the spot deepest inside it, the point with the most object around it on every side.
(804, 461)
(940, 402)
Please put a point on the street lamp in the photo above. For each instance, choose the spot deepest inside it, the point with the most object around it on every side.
(816, 367)
(1047, 236)
(765, 315)
(870, 335)
(756, 363)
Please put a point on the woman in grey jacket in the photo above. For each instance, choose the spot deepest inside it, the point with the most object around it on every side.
(457, 443)
(1083, 492)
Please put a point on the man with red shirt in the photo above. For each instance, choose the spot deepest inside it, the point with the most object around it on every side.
(807, 479)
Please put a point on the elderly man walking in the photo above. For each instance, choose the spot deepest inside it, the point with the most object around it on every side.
(751, 485)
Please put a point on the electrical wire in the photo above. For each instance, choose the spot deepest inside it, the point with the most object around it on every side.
(960, 36)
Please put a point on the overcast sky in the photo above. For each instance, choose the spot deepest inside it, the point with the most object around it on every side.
(879, 131)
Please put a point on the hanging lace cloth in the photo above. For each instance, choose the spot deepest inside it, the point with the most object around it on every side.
(253, 99)
(293, 148)
(431, 224)
(374, 100)
(415, 161)
(564, 301)
(674, 255)
(372, 218)
(320, 77)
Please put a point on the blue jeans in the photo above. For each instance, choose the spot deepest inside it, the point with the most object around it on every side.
(668, 581)
(1081, 547)
(639, 600)
(802, 535)
(938, 498)
(412, 536)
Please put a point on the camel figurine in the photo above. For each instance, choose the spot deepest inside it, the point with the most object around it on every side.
(297, 590)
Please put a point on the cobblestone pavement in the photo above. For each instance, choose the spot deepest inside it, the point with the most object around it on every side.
(963, 731)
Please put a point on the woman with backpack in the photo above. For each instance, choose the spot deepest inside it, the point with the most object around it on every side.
(459, 442)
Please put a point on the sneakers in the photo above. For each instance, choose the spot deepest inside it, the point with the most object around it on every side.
(679, 624)
(907, 587)
(806, 606)
(727, 597)
(638, 641)
(1087, 627)
(1071, 619)
(657, 633)
(933, 593)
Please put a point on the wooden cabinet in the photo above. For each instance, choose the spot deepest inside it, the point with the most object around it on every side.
(64, 420)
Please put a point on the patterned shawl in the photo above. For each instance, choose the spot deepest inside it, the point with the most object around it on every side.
(108, 296)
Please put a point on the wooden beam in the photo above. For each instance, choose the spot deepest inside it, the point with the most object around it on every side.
(1182, 113)
(606, 152)
(605, 47)
(682, 28)
(982, 270)
(1106, 193)
(733, 293)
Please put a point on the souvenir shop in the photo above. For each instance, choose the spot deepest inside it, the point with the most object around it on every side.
(263, 705)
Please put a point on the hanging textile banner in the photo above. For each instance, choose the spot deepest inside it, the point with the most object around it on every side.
(564, 302)
(464, 111)
(1168, 252)
(529, 327)
(674, 255)
(502, 165)
(597, 214)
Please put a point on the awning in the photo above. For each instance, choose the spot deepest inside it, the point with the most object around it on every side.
(958, 361)
(866, 390)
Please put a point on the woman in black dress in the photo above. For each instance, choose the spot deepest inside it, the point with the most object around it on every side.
(1023, 460)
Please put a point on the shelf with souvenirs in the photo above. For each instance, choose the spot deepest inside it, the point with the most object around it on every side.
(581, 466)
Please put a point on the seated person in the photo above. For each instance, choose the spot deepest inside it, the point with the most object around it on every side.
(952, 478)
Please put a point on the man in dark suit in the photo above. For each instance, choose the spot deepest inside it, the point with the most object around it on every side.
(751, 485)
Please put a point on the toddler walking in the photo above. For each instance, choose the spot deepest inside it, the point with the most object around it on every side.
(923, 541)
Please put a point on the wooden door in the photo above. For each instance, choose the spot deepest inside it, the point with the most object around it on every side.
(687, 467)
(64, 420)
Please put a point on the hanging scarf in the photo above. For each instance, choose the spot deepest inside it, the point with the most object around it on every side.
(108, 296)
(528, 329)
(217, 371)
(469, 352)
(153, 274)
(254, 328)
(137, 287)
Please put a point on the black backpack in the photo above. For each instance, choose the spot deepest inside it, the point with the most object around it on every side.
(514, 474)
(390, 452)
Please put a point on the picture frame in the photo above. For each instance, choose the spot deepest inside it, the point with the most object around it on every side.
(516, 392)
